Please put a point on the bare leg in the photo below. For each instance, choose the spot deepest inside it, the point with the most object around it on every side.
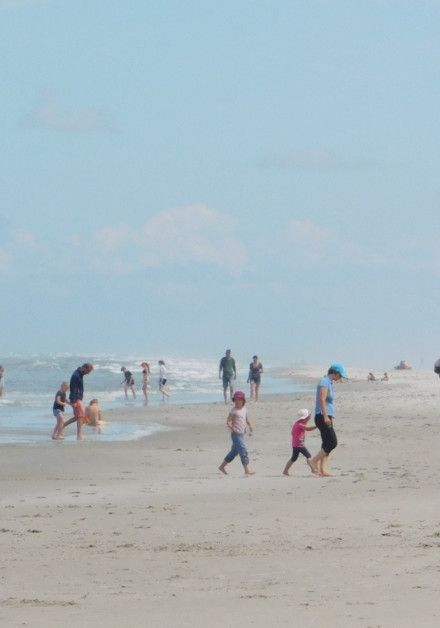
(222, 467)
(257, 388)
(324, 470)
(57, 434)
(289, 463)
(69, 422)
(79, 431)
(315, 462)
(225, 390)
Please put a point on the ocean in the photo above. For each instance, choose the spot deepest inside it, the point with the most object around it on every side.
(31, 384)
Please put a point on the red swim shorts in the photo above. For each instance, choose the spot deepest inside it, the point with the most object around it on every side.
(78, 409)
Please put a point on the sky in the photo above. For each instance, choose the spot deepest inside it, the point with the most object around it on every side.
(178, 178)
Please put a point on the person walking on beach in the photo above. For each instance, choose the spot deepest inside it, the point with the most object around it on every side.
(227, 372)
(2, 380)
(163, 379)
(254, 377)
(76, 396)
(128, 382)
(145, 378)
(238, 421)
(299, 428)
(59, 404)
(324, 415)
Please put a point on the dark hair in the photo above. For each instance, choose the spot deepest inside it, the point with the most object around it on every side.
(255, 357)
(333, 372)
(87, 366)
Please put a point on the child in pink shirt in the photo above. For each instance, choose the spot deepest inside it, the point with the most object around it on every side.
(299, 428)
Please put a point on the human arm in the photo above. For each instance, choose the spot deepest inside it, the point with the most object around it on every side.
(235, 370)
(323, 392)
(309, 429)
(60, 401)
(249, 424)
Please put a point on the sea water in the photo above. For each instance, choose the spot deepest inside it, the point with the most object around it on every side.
(31, 384)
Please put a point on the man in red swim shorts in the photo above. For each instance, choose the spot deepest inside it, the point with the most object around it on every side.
(76, 398)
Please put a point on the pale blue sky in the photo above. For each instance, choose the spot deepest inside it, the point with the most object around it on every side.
(182, 176)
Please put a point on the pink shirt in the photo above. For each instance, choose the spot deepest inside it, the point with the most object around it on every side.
(298, 433)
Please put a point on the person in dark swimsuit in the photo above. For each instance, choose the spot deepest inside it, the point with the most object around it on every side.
(254, 377)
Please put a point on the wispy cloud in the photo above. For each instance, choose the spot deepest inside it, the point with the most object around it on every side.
(309, 244)
(320, 159)
(48, 114)
(196, 234)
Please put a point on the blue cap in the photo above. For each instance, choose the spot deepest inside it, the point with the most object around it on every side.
(338, 368)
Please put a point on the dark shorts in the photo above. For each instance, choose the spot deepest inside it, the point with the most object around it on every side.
(227, 380)
(328, 434)
(300, 450)
(162, 381)
(256, 379)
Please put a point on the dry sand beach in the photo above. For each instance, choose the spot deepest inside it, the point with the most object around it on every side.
(149, 533)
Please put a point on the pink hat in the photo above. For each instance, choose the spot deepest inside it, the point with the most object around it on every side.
(239, 395)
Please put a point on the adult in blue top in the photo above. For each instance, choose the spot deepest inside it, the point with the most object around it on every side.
(324, 415)
(76, 397)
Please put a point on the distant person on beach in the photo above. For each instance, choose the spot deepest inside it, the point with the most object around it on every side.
(238, 421)
(76, 396)
(2, 380)
(59, 404)
(145, 378)
(437, 367)
(93, 415)
(227, 372)
(371, 377)
(254, 377)
(163, 373)
(128, 382)
(299, 429)
(385, 377)
(324, 415)
(403, 366)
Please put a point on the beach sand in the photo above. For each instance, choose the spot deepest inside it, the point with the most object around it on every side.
(149, 533)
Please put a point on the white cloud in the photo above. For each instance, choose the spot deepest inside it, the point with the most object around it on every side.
(49, 115)
(196, 234)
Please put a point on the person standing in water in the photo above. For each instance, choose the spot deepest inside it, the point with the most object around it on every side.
(163, 379)
(227, 372)
(59, 404)
(324, 416)
(145, 379)
(76, 396)
(128, 382)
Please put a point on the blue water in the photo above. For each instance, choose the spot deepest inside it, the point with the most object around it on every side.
(31, 383)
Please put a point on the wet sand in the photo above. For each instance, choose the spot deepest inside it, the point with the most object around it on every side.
(149, 533)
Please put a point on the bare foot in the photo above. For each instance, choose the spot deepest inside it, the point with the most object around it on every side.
(222, 470)
(249, 472)
(326, 474)
(286, 473)
(313, 469)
